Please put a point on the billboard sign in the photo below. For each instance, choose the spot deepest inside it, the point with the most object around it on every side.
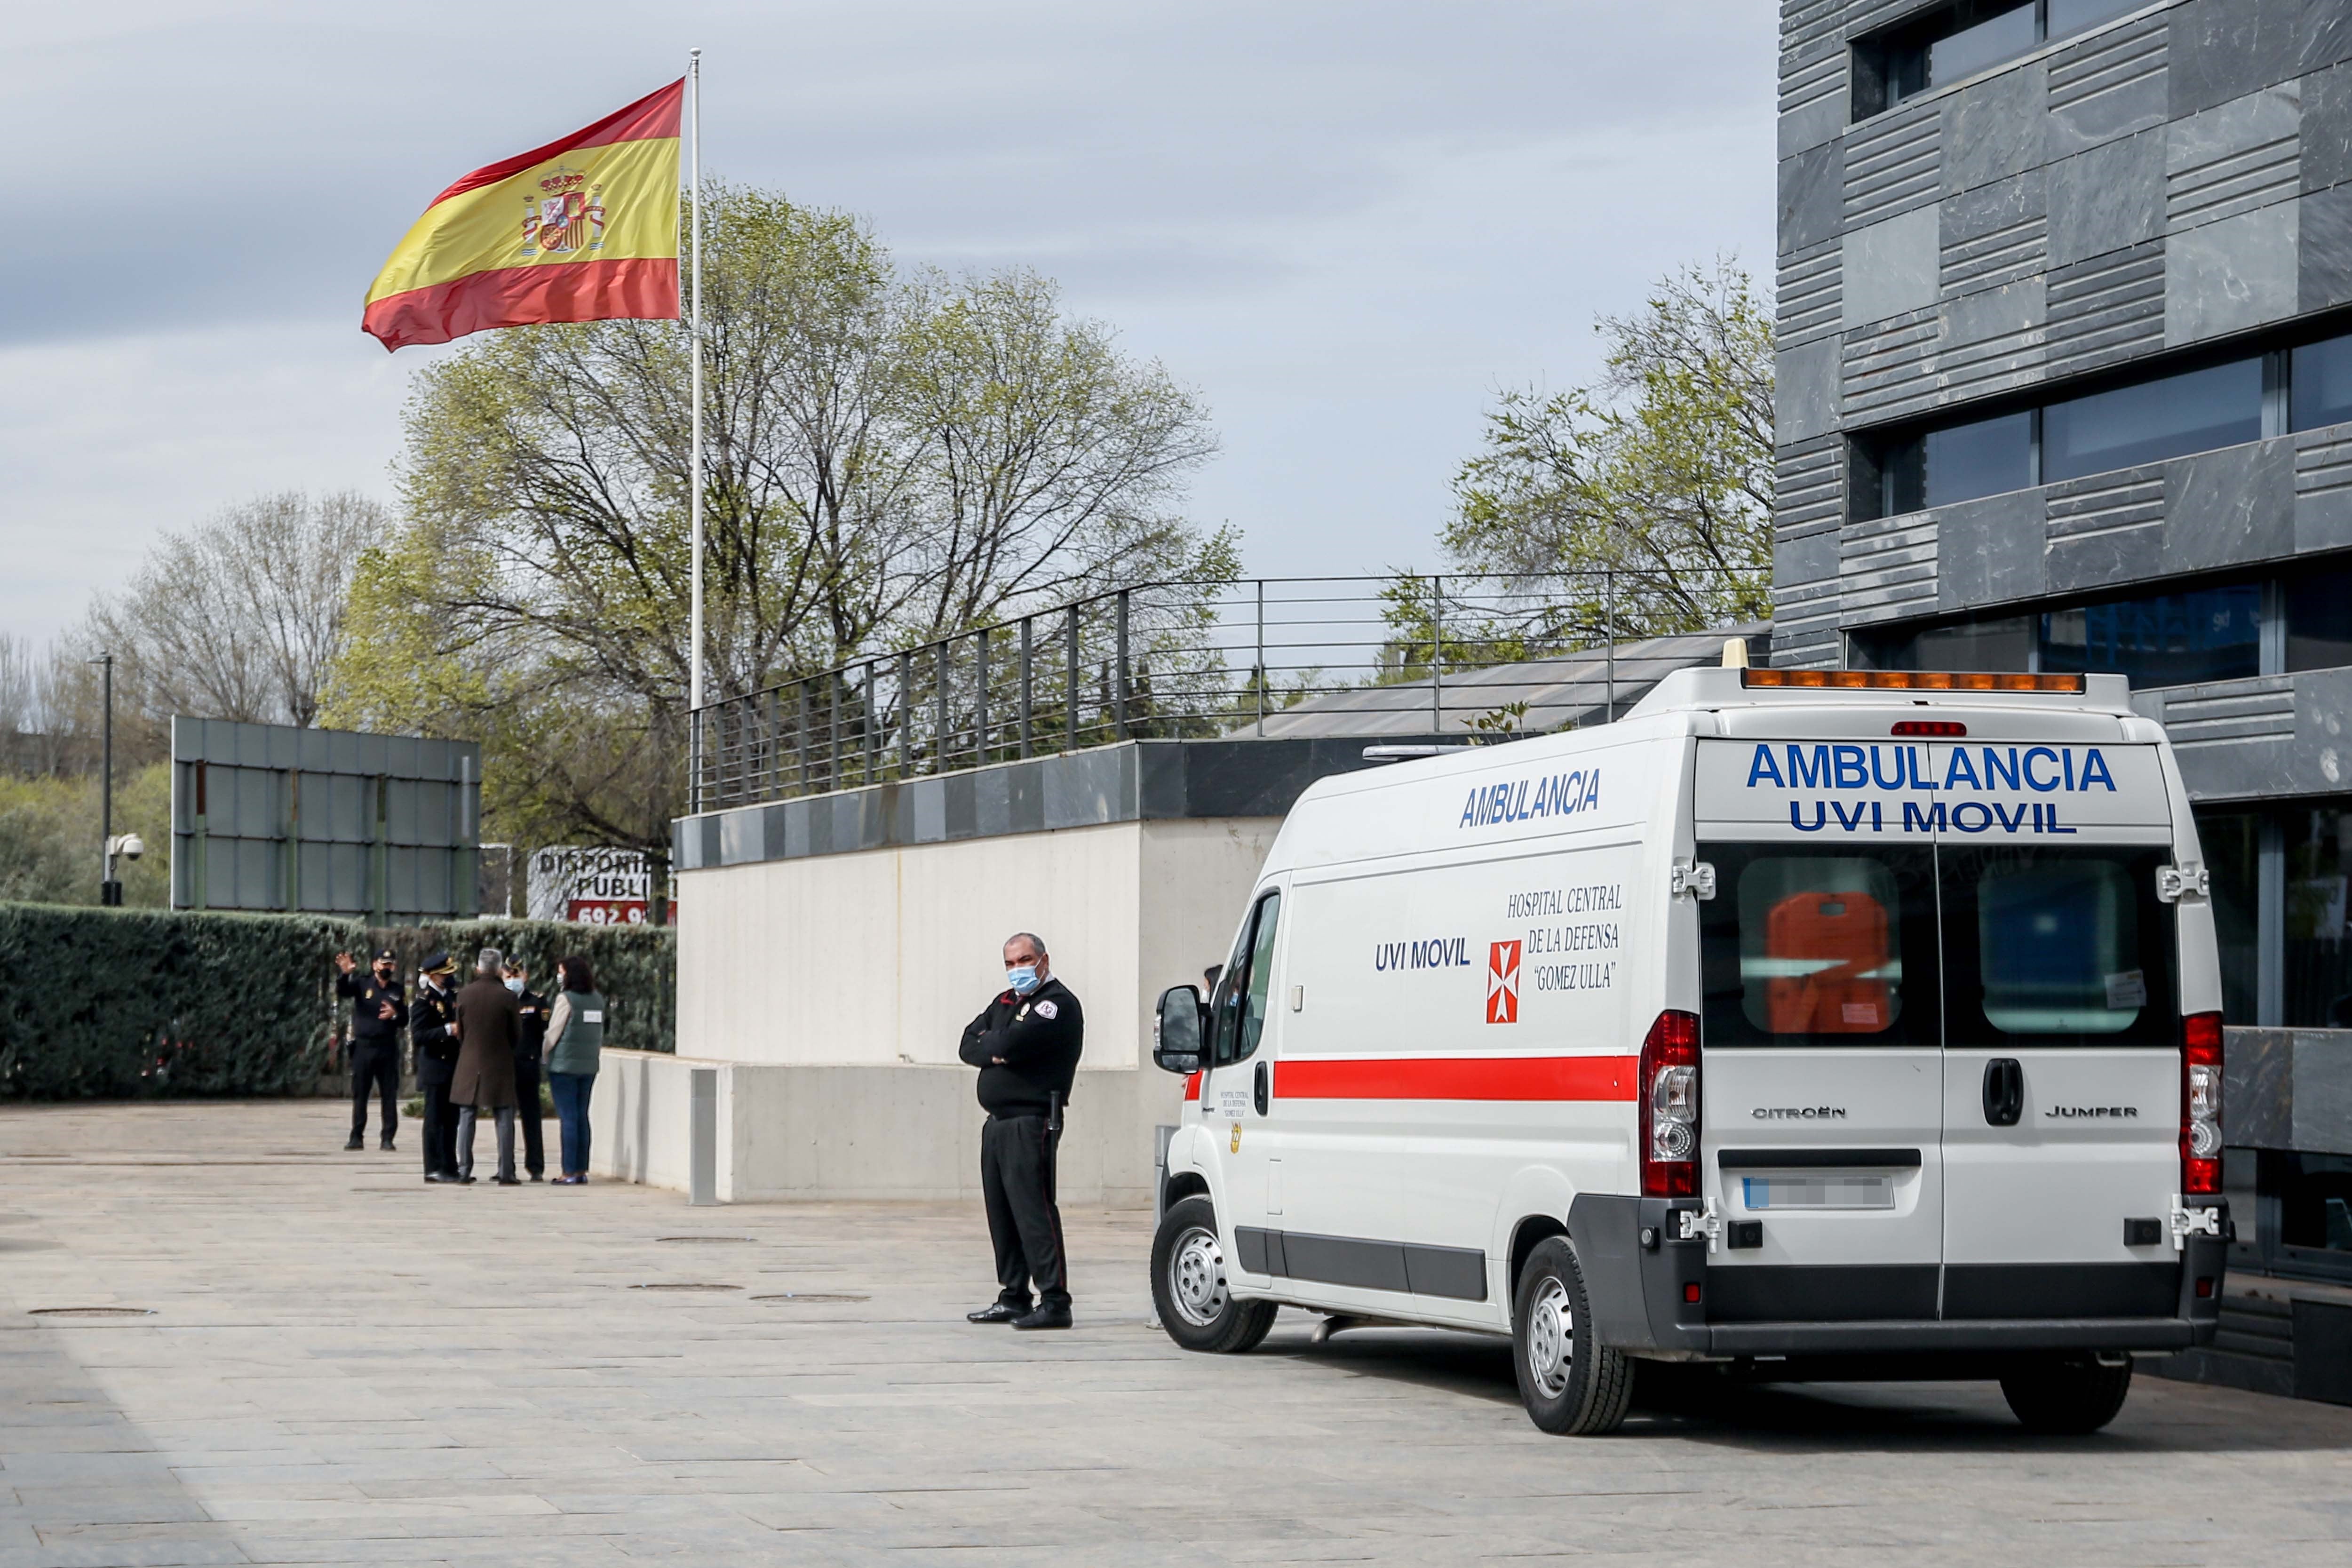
(591, 887)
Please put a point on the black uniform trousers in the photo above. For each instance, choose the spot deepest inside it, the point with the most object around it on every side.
(1016, 1180)
(440, 1126)
(375, 1064)
(534, 1136)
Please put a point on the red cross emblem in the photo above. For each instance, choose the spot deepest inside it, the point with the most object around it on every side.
(1503, 982)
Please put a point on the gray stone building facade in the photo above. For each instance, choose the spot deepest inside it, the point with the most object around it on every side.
(2065, 295)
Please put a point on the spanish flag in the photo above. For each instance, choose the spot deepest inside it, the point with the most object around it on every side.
(583, 229)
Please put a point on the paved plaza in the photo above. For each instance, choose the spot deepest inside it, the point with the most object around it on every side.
(337, 1363)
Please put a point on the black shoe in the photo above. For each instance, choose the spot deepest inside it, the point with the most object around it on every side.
(463, 1181)
(386, 1146)
(509, 1181)
(999, 1313)
(442, 1177)
(539, 1175)
(1045, 1318)
(357, 1142)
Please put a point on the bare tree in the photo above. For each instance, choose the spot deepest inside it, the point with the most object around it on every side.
(240, 617)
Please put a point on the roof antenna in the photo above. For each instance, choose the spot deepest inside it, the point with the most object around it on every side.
(1734, 653)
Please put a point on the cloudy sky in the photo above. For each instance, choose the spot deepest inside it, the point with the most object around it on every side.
(1344, 223)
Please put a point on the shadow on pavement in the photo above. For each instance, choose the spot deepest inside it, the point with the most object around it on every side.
(1700, 1405)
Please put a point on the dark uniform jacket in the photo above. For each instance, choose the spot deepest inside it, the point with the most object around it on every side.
(429, 1017)
(1038, 1036)
(368, 995)
(533, 1038)
(489, 1025)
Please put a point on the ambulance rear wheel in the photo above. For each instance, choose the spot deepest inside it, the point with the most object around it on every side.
(2068, 1395)
(1196, 1307)
(1571, 1382)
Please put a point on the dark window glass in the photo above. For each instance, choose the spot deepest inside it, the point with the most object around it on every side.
(2193, 411)
(2318, 619)
(1805, 947)
(2320, 380)
(2057, 947)
(2072, 16)
(2231, 841)
(2314, 1198)
(2318, 957)
(1987, 43)
(1241, 1004)
(1981, 458)
(2001, 644)
(2169, 639)
(1903, 478)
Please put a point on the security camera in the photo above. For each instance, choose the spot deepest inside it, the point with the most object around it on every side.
(130, 846)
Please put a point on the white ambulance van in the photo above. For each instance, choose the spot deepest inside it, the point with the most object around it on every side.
(1828, 1024)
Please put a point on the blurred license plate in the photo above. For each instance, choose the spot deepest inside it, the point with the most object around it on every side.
(1840, 1190)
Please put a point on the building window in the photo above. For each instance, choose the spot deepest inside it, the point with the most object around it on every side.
(2172, 416)
(2175, 414)
(2233, 841)
(1956, 41)
(2317, 982)
(2320, 378)
(2163, 639)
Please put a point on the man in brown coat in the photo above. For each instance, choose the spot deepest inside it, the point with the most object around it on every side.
(489, 1021)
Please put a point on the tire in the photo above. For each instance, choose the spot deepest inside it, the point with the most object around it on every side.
(1188, 1285)
(2067, 1395)
(1571, 1382)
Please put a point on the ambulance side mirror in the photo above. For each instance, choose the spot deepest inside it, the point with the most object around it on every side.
(1176, 1032)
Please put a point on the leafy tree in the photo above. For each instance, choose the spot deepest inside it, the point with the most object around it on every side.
(1660, 474)
(891, 458)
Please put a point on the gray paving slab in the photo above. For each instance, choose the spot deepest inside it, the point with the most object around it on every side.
(343, 1365)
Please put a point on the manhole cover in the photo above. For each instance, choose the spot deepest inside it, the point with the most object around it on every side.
(666, 1286)
(93, 1312)
(812, 1296)
(702, 1239)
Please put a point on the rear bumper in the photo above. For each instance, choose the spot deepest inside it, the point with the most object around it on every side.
(1641, 1285)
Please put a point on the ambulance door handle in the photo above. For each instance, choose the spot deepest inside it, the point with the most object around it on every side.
(1260, 1086)
(2004, 1091)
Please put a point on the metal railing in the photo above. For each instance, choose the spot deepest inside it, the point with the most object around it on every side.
(1172, 660)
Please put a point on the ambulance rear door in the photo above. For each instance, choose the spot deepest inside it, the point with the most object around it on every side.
(2061, 1061)
(1820, 1073)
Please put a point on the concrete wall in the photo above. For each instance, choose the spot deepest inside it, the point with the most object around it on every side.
(792, 1132)
(831, 991)
(2175, 180)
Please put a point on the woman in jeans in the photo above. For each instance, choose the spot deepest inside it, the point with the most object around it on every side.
(575, 1034)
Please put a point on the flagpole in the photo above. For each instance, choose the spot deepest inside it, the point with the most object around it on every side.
(694, 462)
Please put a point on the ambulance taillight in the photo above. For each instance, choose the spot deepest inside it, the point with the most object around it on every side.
(1669, 1084)
(2201, 1103)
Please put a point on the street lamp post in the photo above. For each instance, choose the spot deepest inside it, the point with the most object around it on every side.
(130, 846)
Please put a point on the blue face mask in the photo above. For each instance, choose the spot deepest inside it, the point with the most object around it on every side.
(514, 985)
(1023, 977)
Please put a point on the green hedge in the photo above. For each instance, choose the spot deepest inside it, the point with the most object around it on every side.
(98, 1003)
(636, 967)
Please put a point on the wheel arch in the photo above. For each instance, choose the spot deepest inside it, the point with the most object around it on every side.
(1532, 1232)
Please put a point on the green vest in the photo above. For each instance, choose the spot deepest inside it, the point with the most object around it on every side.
(583, 1035)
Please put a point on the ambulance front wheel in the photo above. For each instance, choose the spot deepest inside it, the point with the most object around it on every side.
(2068, 1395)
(1571, 1382)
(1188, 1285)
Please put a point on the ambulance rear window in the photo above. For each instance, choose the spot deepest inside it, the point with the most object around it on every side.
(2058, 947)
(1803, 947)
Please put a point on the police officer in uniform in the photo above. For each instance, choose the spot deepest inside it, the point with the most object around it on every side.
(432, 1018)
(1026, 1044)
(528, 1045)
(379, 1012)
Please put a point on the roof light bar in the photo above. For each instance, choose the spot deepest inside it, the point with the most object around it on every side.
(1909, 680)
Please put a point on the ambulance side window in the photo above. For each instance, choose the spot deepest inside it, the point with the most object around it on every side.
(1242, 989)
